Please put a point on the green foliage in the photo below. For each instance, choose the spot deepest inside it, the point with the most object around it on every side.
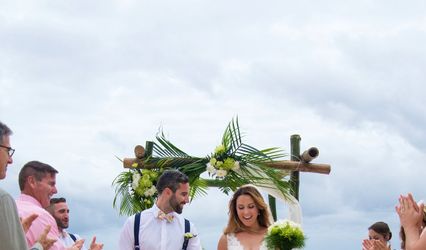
(132, 196)
(124, 196)
(285, 235)
(232, 165)
(251, 160)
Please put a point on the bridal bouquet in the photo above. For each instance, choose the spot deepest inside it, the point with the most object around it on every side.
(285, 235)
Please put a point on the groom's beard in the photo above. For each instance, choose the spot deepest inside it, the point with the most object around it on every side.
(177, 207)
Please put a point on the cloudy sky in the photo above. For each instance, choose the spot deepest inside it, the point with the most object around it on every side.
(84, 81)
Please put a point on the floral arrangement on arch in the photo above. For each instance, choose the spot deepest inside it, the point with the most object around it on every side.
(137, 189)
(285, 235)
(231, 165)
(220, 163)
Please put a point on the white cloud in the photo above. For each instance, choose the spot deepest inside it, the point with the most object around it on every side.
(82, 82)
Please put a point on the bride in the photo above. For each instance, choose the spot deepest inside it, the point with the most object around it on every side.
(249, 218)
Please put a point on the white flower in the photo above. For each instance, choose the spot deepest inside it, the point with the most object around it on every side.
(136, 177)
(210, 168)
(283, 223)
(151, 191)
(236, 166)
(221, 173)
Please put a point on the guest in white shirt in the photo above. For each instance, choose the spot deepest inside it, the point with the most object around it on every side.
(59, 210)
(162, 227)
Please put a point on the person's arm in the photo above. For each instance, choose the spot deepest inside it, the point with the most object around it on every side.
(223, 243)
(410, 216)
(194, 243)
(126, 240)
(12, 235)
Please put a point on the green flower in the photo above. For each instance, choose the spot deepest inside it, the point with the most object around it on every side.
(228, 164)
(189, 235)
(285, 235)
(219, 149)
(219, 164)
(144, 182)
(213, 161)
(153, 175)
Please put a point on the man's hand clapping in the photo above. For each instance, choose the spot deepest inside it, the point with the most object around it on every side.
(44, 241)
(96, 246)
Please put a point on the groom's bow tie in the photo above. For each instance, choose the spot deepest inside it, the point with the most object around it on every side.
(163, 216)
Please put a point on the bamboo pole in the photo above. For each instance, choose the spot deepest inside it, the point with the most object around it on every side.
(283, 165)
(295, 175)
(301, 166)
(272, 206)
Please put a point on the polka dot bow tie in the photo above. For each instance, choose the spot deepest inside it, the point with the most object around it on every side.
(163, 216)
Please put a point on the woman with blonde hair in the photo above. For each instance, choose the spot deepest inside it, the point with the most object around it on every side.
(249, 219)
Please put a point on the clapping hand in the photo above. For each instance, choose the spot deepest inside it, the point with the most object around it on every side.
(96, 246)
(409, 212)
(78, 244)
(26, 222)
(44, 241)
(374, 245)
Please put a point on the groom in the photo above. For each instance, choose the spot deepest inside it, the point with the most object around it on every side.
(162, 227)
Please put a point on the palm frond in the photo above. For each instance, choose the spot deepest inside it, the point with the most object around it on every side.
(238, 162)
(199, 187)
(122, 193)
(170, 162)
(231, 138)
(168, 150)
(253, 155)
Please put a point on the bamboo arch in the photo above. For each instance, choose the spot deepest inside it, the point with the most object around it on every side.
(298, 163)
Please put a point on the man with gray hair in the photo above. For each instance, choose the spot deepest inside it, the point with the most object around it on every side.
(11, 232)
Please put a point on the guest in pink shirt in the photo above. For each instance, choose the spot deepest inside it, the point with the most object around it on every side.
(37, 182)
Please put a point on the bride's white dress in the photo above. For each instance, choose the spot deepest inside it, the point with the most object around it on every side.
(234, 243)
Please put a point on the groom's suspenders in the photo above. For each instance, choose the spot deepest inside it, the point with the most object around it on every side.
(187, 229)
(136, 232)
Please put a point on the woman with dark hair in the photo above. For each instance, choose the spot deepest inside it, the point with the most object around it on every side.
(379, 235)
(249, 219)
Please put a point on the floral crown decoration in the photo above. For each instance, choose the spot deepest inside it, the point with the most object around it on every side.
(231, 165)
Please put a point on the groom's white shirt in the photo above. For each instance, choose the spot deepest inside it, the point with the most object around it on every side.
(156, 234)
